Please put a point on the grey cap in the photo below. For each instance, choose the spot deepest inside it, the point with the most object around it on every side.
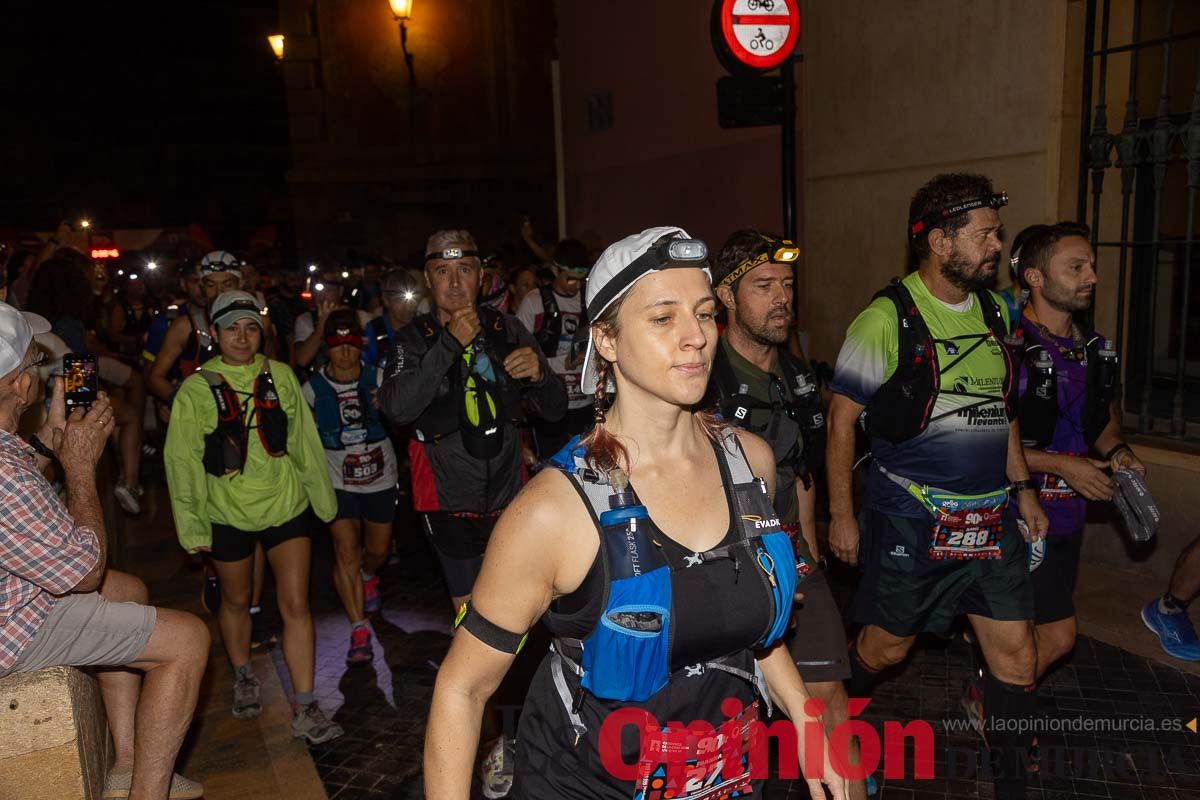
(229, 307)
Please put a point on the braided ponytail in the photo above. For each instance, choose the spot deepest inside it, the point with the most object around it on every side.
(604, 450)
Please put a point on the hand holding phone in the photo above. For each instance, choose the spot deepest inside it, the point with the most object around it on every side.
(80, 382)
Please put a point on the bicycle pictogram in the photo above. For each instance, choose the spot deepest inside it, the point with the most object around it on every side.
(762, 41)
(765, 5)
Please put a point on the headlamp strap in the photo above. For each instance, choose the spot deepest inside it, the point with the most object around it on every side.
(931, 220)
(450, 253)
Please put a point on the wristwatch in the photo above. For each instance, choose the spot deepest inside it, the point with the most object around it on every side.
(40, 448)
(1029, 484)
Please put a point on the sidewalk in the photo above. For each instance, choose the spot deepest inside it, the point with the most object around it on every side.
(234, 759)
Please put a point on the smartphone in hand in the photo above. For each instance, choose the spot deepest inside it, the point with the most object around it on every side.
(80, 383)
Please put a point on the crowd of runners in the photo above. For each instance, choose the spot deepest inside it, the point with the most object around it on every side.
(626, 450)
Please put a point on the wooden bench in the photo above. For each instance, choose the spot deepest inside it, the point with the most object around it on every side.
(54, 741)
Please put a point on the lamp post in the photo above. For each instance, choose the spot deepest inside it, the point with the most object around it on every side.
(276, 40)
(402, 11)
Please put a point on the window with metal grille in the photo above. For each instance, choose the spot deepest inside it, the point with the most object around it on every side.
(1152, 162)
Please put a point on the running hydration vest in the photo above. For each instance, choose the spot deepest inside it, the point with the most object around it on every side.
(902, 407)
(798, 419)
(627, 656)
(327, 410)
(226, 447)
(199, 346)
(465, 401)
(1038, 406)
(550, 331)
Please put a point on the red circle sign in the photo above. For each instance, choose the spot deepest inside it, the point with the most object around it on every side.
(760, 33)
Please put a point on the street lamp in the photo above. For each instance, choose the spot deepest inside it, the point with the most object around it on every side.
(276, 42)
(83, 223)
(402, 11)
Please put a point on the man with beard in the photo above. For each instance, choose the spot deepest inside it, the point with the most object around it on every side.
(1067, 386)
(926, 363)
(758, 385)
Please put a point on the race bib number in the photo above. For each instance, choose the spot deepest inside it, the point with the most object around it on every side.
(967, 534)
(362, 469)
(1054, 489)
(684, 764)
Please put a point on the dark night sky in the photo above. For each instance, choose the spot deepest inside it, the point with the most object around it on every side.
(142, 114)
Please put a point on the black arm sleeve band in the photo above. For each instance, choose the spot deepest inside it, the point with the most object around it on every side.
(488, 632)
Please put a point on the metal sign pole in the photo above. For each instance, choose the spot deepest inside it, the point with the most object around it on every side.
(788, 142)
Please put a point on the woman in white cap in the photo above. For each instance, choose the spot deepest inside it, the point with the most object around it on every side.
(244, 464)
(653, 557)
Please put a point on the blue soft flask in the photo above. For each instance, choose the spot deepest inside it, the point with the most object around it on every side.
(627, 657)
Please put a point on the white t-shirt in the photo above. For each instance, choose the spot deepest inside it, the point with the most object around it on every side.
(359, 466)
(531, 312)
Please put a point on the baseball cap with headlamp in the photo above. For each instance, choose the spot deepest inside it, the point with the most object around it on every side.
(935, 218)
(773, 251)
(229, 307)
(221, 261)
(623, 263)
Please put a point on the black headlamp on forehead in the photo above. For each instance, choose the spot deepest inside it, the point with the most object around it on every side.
(934, 218)
(777, 251)
(663, 254)
(449, 254)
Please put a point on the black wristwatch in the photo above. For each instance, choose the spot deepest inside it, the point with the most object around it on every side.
(1116, 449)
(40, 448)
(1020, 486)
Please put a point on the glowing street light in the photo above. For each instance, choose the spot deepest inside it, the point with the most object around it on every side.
(276, 40)
(152, 265)
(85, 224)
(401, 9)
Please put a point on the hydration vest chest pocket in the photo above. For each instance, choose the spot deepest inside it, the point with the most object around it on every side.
(628, 656)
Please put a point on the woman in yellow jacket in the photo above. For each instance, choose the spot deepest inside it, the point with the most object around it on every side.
(244, 464)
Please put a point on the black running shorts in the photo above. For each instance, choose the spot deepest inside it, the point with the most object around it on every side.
(1054, 579)
(818, 640)
(459, 543)
(230, 544)
(905, 592)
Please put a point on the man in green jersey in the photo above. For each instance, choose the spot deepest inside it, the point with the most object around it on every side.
(925, 368)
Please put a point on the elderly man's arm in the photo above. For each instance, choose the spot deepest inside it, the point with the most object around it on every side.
(59, 549)
(79, 450)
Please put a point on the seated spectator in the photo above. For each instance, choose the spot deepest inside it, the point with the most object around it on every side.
(61, 605)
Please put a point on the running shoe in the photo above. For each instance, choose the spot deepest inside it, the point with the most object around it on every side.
(127, 498)
(1175, 632)
(360, 651)
(210, 594)
(246, 701)
(372, 602)
(260, 631)
(496, 770)
(311, 724)
(972, 704)
(117, 783)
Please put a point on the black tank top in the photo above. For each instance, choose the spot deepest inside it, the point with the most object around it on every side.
(718, 611)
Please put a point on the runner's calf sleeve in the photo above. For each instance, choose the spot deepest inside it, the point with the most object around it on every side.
(1008, 712)
(862, 676)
